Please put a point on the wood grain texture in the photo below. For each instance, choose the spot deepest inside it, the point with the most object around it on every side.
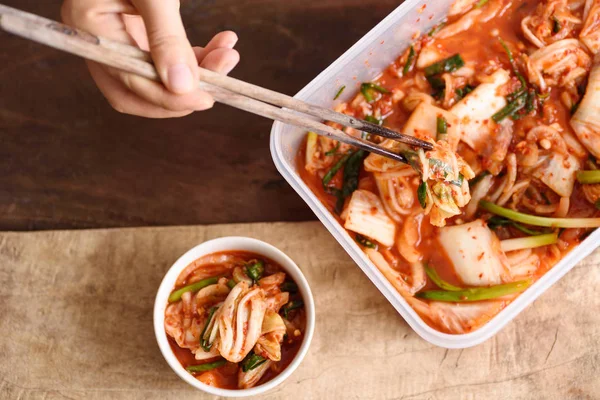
(67, 160)
(76, 323)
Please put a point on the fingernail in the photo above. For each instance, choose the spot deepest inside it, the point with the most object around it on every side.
(180, 78)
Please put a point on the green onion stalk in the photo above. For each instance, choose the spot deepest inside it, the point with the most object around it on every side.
(252, 361)
(476, 294)
(442, 128)
(449, 64)
(339, 93)
(539, 221)
(439, 282)
(365, 241)
(194, 287)
(255, 270)
(529, 242)
(367, 87)
(207, 366)
(409, 61)
(588, 177)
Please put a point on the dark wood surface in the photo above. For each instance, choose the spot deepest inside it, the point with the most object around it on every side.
(67, 160)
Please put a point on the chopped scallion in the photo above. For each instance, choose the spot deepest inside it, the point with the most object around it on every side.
(556, 26)
(367, 87)
(526, 230)
(333, 151)
(588, 177)
(528, 242)
(350, 179)
(409, 61)
(540, 221)
(436, 29)
(442, 128)
(289, 286)
(252, 361)
(373, 120)
(463, 91)
(438, 85)
(450, 64)
(364, 241)
(205, 342)
(334, 170)
(292, 305)
(207, 366)
(194, 287)
(543, 96)
(255, 269)
(435, 278)
(339, 93)
(476, 294)
(422, 194)
(478, 178)
(497, 221)
(511, 59)
(511, 108)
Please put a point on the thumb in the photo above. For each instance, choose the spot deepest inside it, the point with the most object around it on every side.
(171, 51)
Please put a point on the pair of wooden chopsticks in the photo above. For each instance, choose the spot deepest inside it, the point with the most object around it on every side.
(223, 89)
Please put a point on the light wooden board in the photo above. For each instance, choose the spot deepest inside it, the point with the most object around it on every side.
(76, 323)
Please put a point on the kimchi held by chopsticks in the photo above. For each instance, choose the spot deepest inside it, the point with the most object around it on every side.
(235, 319)
(508, 93)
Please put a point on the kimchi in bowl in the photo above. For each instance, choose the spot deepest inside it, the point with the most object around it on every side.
(234, 317)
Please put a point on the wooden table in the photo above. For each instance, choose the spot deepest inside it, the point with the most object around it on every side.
(76, 323)
(67, 160)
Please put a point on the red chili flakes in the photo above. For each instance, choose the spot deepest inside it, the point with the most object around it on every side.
(480, 256)
(422, 8)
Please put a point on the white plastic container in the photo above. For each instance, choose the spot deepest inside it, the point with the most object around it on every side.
(363, 62)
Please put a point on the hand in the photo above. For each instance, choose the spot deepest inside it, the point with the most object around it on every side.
(153, 25)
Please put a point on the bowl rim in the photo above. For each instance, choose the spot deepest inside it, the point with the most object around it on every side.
(231, 243)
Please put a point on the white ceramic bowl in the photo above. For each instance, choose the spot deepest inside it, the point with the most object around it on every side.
(231, 244)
